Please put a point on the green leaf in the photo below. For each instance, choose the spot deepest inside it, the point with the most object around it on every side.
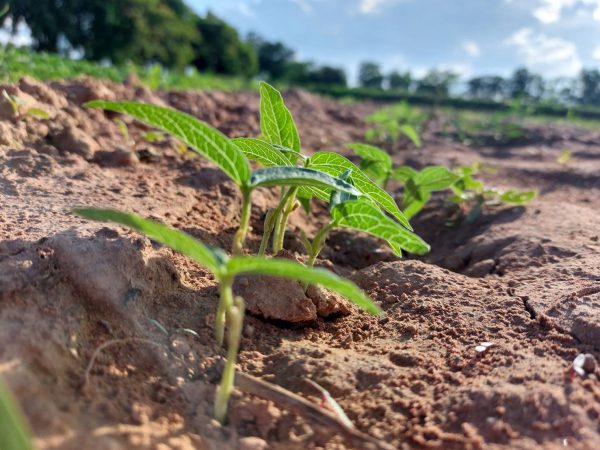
(276, 122)
(413, 199)
(338, 197)
(336, 165)
(435, 178)
(411, 133)
(404, 173)
(262, 152)
(279, 267)
(207, 141)
(372, 153)
(179, 241)
(38, 112)
(517, 197)
(14, 433)
(366, 217)
(376, 171)
(299, 176)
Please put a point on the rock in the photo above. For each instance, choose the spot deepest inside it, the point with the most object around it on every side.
(116, 158)
(42, 92)
(481, 268)
(73, 140)
(327, 302)
(275, 298)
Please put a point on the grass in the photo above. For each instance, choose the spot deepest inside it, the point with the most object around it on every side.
(18, 62)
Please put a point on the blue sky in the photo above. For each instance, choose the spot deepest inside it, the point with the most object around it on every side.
(553, 37)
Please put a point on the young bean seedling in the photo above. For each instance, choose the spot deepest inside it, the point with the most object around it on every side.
(14, 432)
(391, 122)
(225, 269)
(361, 211)
(21, 109)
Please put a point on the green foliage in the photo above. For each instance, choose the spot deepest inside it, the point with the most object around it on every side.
(370, 76)
(14, 432)
(230, 311)
(18, 62)
(299, 176)
(204, 139)
(276, 122)
(21, 109)
(391, 122)
(366, 217)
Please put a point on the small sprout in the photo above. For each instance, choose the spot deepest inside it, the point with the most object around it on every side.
(19, 108)
(160, 326)
(153, 136)
(565, 157)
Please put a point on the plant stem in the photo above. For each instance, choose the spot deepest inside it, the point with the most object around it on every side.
(236, 321)
(225, 304)
(318, 243)
(287, 203)
(267, 230)
(240, 236)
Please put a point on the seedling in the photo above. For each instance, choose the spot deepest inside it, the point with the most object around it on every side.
(230, 311)
(282, 148)
(565, 157)
(391, 122)
(14, 432)
(20, 109)
(222, 151)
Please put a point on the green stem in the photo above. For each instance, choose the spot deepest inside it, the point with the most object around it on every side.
(319, 242)
(288, 207)
(236, 321)
(267, 230)
(240, 236)
(225, 304)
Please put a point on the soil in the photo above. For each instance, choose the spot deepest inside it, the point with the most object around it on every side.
(526, 280)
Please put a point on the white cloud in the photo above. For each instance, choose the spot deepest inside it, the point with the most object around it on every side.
(373, 6)
(551, 11)
(596, 54)
(471, 48)
(548, 55)
(304, 5)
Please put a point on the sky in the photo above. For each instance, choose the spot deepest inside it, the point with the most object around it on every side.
(555, 38)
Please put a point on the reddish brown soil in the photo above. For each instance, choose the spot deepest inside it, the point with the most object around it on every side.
(525, 279)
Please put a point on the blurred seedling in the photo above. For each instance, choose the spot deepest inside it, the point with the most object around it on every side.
(14, 431)
(20, 109)
(230, 312)
(565, 157)
(391, 122)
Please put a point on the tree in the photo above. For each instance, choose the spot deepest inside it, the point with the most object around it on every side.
(487, 87)
(436, 83)
(221, 50)
(118, 30)
(328, 76)
(370, 75)
(274, 58)
(590, 87)
(399, 81)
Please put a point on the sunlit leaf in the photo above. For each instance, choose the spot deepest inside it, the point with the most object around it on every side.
(276, 122)
(262, 152)
(299, 176)
(366, 217)
(372, 153)
(517, 197)
(411, 133)
(204, 139)
(404, 173)
(336, 165)
(435, 178)
(179, 241)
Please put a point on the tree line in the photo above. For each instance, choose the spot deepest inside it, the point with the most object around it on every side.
(170, 33)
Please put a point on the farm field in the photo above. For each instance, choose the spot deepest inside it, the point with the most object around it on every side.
(525, 279)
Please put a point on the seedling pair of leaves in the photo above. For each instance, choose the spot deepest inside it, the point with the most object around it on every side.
(418, 186)
(391, 122)
(364, 208)
(472, 195)
(231, 159)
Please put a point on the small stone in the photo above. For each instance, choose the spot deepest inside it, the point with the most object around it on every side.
(116, 158)
(74, 140)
